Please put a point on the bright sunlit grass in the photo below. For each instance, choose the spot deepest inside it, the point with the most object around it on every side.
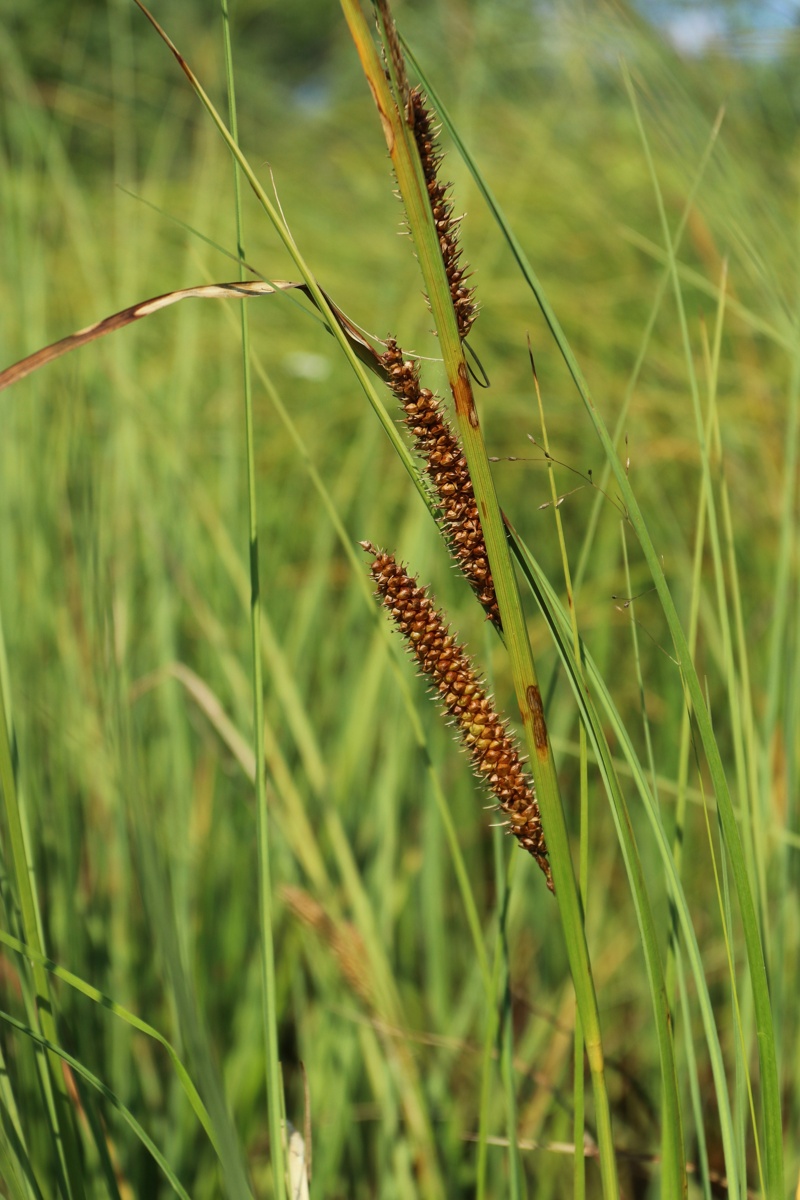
(171, 929)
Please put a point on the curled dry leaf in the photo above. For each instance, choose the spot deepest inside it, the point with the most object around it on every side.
(211, 291)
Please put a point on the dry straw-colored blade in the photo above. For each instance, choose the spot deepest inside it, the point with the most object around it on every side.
(211, 291)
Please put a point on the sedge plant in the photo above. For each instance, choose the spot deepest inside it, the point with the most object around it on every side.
(445, 457)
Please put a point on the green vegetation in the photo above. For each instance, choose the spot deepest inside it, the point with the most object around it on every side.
(423, 998)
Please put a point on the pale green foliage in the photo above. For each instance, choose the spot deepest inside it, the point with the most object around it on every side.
(123, 551)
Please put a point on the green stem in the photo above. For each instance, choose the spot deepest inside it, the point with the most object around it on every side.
(269, 989)
(63, 1132)
(517, 1190)
(770, 1094)
(408, 169)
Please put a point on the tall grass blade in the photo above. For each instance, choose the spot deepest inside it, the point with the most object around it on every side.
(62, 1128)
(593, 713)
(517, 1189)
(16, 1169)
(314, 291)
(275, 1096)
(123, 1014)
(770, 1098)
(578, 1090)
(106, 1093)
(770, 1094)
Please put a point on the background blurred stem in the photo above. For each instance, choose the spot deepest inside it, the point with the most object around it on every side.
(265, 893)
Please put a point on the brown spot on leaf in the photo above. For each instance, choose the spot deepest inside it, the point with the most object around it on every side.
(388, 132)
(537, 712)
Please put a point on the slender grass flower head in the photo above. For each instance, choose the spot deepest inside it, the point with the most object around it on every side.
(462, 696)
(437, 442)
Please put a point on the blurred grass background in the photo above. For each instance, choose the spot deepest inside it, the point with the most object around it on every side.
(123, 556)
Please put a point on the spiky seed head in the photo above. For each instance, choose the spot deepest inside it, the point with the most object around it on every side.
(436, 441)
(462, 696)
(421, 121)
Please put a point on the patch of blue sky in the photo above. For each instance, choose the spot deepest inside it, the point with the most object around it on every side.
(756, 30)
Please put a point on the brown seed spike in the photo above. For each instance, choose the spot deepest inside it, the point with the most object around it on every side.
(462, 696)
(436, 442)
(393, 46)
(420, 120)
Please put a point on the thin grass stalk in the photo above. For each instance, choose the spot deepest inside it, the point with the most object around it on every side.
(578, 1081)
(578, 1091)
(672, 1144)
(60, 1112)
(644, 343)
(487, 1069)
(79, 1069)
(770, 1094)
(630, 605)
(591, 702)
(516, 1189)
(498, 1021)
(15, 1167)
(782, 586)
(784, 337)
(743, 724)
(791, 725)
(11, 1125)
(106, 1002)
(666, 1132)
(736, 687)
(742, 1045)
(319, 298)
(685, 741)
(386, 991)
(499, 1018)
(14, 917)
(692, 1070)
(674, 974)
(776, 677)
(412, 711)
(410, 178)
(269, 994)
(743, 1089)
(760, 823)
